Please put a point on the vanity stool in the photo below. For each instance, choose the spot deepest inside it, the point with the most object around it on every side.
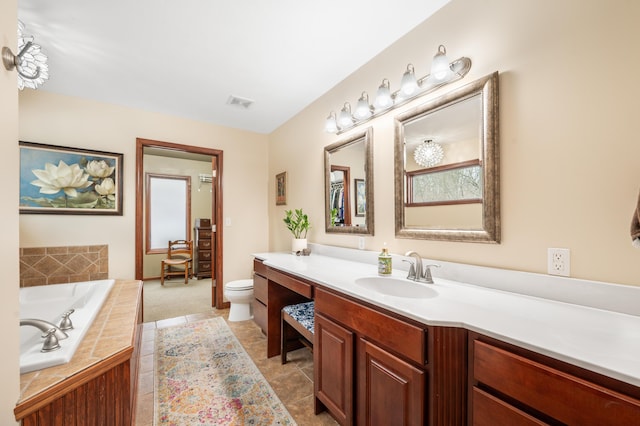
(296, 327)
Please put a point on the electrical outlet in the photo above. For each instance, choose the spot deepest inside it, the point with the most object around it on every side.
(361, 243)
(559, 261)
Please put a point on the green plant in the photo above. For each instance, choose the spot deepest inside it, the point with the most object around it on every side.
(297, 222)
(334, 216)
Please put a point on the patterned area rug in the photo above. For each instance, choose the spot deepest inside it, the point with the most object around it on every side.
(203, 376)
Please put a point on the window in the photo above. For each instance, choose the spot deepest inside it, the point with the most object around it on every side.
(459, 183)
(168, 210)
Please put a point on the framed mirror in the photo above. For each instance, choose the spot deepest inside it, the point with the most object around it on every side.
(447, 181)
(348, 170)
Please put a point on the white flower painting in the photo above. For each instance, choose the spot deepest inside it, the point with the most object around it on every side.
(56, 179)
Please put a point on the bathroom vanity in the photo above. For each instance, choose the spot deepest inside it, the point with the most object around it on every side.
(456, 354)
(98, 385)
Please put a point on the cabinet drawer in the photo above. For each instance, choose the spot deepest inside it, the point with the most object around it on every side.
(204, 234)
(204, 255)
(260, 288)
(259, 267)
(547, 389)
(260, 315)
(291, 283)
(204, 244)
(399, 336)
(490, 411)
(204, 266)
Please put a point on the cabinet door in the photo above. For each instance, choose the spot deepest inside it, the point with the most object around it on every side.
(390, 390)
(333, 372)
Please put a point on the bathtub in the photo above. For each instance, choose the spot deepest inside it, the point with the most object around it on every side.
(49, 302)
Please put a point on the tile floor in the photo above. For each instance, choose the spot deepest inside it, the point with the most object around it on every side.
(293, 382)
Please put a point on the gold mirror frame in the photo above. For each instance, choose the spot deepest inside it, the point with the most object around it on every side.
(367, 139)
(487, 89)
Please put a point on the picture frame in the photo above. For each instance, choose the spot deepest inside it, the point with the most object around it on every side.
(281, 189)
(63, 180)
(360, 195)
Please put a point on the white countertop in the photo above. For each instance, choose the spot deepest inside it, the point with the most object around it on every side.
(599, 340)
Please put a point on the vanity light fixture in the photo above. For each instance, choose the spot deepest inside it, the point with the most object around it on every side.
(442, 72)
(428, 153)
(30, 63)
(345, 119)
(331, 126)
(363, 107)
(383, 96)
(409, 84)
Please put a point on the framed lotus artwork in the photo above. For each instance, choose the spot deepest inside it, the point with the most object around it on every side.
(61, 180)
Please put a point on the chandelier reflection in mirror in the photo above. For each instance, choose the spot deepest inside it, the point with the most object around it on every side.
(30, 63)
(428, 153)
(442, 72)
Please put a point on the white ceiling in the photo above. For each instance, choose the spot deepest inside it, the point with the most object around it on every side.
(187, 57)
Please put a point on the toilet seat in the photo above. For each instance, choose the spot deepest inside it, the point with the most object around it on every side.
(239, 285)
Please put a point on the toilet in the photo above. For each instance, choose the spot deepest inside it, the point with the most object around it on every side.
(239, 293)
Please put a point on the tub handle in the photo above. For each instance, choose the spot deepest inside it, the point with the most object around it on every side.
(50, 342)
(65, 323)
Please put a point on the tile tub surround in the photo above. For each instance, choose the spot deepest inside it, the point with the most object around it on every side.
(59, 265)
(110, 337)
(600, 340)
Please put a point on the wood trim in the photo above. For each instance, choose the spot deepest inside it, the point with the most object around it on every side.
(141, 143)
(448, 376)
(59, 390)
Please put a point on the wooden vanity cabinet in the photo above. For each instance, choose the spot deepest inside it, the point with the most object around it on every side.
(371, 366)
(273, 290)
(511, 385)
(259, 303)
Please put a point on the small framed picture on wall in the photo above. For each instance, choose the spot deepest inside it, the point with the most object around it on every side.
(281, 189)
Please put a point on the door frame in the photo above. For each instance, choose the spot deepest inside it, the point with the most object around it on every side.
(141, 144)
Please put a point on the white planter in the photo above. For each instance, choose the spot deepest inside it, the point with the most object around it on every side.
(298, 244)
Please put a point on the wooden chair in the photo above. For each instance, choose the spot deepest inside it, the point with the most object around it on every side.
(297, 327)
(180, 255)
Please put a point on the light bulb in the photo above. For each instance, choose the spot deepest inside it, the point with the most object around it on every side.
(440, 68)
(409, 83)
(363, 109)
(330, 125)
(344, 118)
(383, 96)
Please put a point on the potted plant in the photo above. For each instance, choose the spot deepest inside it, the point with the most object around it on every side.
(298, 223)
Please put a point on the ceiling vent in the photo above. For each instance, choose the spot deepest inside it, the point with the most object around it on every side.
(239, 102)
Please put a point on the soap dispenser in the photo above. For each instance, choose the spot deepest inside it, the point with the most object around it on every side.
(384, 263)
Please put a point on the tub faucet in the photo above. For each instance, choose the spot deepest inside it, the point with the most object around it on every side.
(45, 327)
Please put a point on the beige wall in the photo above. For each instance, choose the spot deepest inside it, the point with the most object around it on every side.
(61, 120)
(9, 356)
(569, 101)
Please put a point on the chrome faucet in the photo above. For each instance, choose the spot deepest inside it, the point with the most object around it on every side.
(52, 334)
(417, 273)
(44, 326)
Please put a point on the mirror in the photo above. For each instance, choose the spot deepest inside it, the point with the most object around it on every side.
(348, 170)
(447, 166)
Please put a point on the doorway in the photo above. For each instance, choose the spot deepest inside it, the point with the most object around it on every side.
(143, 145)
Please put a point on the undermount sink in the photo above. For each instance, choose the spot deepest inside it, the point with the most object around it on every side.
(397, 287)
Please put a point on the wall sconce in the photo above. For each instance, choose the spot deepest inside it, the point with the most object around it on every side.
(442, 72)
(205, 178)
(30, 63)
(428, 153)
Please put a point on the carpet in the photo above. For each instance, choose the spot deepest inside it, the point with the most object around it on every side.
(203, 376)
(175, 299)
